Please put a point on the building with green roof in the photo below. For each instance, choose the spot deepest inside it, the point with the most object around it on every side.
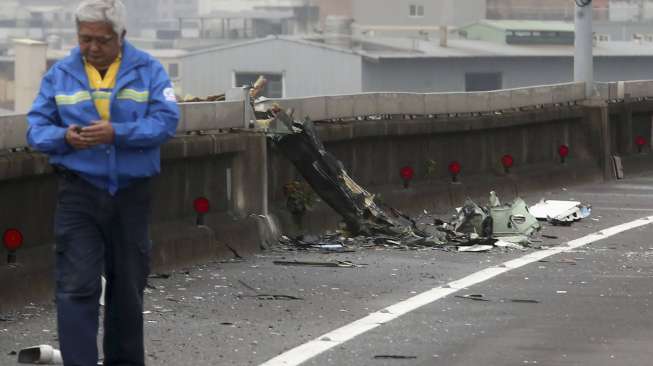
(528, 32)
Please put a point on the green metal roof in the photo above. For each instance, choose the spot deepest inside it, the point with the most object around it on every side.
(528, 25)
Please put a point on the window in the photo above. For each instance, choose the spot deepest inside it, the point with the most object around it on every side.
(416, 10)
(173, 70)
(273, 89)
(483, 81)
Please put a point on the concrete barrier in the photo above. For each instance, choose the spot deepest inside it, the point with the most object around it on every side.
(242, 177)
(638, 88)
(208, 116)
(12, 131)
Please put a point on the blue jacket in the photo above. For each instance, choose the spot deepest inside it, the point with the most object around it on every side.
(144, 115)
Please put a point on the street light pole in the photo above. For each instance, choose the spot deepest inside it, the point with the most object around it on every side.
(583, 57)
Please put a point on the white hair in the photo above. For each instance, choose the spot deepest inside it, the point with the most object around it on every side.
(108, 11)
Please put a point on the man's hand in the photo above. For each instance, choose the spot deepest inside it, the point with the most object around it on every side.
(99, 132)
(75, 139)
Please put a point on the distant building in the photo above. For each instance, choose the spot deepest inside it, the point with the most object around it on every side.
(341, 8)
(142, 14)
(631, 10)
(541, 10)
(531, 32)
(413, 18)
(306, 67)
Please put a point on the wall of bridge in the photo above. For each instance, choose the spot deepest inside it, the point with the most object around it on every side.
(215, 157)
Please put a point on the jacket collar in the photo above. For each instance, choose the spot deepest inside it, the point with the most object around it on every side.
(131, 58)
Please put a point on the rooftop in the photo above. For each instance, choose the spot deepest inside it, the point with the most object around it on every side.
(462, 48)
(527, 25)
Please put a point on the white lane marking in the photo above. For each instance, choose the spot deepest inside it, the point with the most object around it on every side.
(306, 351)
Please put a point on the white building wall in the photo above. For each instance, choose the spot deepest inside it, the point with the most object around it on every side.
(448, 75)
(29, 69)
(307, 70)
(436, 12)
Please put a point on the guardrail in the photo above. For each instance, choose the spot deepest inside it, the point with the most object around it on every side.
(619, 90)
(369, 104)
(201, 116)
(204, 116)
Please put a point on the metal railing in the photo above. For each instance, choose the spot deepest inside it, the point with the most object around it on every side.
(206, 116)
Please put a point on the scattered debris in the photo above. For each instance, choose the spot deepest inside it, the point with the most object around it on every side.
(369, 222)
(560, 212)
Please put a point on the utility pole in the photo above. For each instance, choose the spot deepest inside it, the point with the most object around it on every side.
(583, 56)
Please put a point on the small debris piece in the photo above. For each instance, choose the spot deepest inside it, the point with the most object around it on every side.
(394, 357)
(341, 264)
(513, 220)
(164, 276)
(524, 301)
(618, 167)
(507, 244)
(549, 236)
(560, 212)
(248, 286)
(43, 354)
(568, 261)
(273, 297)
(475, 248)
(475, 297)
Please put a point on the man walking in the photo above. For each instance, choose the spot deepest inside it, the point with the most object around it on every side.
(101, 115)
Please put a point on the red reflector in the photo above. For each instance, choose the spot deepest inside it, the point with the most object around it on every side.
(563, 151)
(12, 239)
(640, 141)
(201, 205)
(454, 168)
(507, 161)
(407, 173)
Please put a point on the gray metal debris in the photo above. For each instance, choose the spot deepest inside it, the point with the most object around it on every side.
(473, 228)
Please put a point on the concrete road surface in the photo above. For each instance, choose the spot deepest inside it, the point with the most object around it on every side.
(584, 299)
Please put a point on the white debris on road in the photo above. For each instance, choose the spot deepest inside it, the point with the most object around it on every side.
(560, 211)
